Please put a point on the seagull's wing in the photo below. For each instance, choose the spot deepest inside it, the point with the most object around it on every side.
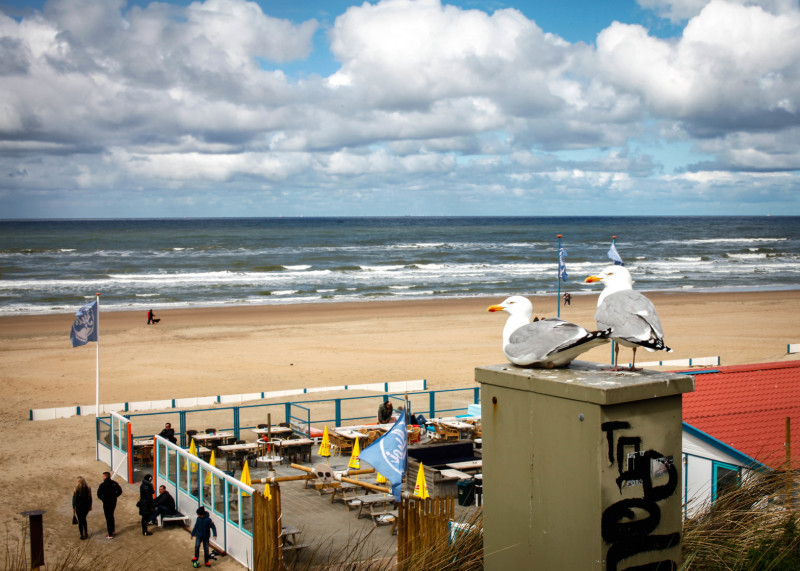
(550, 342)
(631, 316)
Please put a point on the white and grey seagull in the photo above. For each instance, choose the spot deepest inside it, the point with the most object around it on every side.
(546, 343)
(631, 317)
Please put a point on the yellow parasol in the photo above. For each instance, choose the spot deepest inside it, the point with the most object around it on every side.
(421, 489)
(213, 462)
(325, 446)
(355, 462)
(245, 479)
(193, 452)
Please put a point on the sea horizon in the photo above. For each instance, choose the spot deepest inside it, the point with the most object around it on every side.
(56, 265)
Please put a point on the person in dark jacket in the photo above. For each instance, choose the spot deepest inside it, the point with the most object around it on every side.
(168, 433)
(82, 505)
(203, 526)
(145, 505)
(164, 504)
(108, 491)
(385, 413)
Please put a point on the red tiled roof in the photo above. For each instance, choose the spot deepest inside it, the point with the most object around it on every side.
(745, 406)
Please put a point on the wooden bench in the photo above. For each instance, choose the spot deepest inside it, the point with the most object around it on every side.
(184, 519)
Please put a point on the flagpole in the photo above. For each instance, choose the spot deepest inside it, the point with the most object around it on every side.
(97, 361)
(558, 278)
(613, 342)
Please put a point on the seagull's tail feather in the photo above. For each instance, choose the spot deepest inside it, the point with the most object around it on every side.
(655, 345)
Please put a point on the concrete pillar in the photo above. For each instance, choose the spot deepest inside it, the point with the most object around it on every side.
(581, 467)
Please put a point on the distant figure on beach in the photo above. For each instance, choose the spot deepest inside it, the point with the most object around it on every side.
(567, 299)
(107, 492)
(385, 413)
(168, 433)
(82, 505)
(165, 504)
(151, 317)
(145, 504)
(203, 526)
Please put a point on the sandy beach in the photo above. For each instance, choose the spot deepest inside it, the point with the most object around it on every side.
(231, 350)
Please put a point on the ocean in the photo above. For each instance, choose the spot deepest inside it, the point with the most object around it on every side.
(54, 266)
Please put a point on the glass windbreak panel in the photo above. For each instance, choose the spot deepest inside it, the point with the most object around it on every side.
(104, 432)
(233, 504)
(170, 464)
(181, 476)
(218, 494)
(193, 473)
(247, 513)
(121, 435)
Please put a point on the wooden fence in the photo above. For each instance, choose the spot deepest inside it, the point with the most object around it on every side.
(421, 524)
(267, 541)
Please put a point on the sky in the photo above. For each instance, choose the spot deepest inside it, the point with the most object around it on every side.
(117, 109)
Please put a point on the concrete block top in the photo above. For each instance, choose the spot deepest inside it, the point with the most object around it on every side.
(588, 382)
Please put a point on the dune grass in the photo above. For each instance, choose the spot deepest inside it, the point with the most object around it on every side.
(749, 528)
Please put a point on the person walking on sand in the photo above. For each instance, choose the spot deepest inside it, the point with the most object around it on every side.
(203, 526)
(107, 492)
(82, 505)
(145, 504)
(151, 317)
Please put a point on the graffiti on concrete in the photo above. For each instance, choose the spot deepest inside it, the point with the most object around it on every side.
(628, 525)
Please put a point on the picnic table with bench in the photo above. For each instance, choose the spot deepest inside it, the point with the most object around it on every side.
(377, 508)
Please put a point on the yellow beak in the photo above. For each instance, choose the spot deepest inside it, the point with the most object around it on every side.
(592, 279)
(496, 308)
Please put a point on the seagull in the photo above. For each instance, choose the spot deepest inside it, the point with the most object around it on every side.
(631, 317)
(545, 343)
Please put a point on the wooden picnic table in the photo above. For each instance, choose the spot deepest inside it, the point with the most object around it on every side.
(236, 450)
(274, 431)
(349, 433)
(289, 535)
(294, 448)
(348, 493)
(383, 504)
(465, 466)
(212, 439)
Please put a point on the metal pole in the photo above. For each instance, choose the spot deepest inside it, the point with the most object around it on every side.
(613, 342)
(97, 365)
(558, 278)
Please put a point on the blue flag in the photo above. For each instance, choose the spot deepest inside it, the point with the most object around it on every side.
(562, 264)
(614, 255)
(389, 455)
(85, 327)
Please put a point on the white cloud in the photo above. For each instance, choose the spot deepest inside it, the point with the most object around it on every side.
(429, 98)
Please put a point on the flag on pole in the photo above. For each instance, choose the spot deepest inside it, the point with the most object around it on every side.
(84, 329)
(562, 264)
(389, 455)
(614, 255)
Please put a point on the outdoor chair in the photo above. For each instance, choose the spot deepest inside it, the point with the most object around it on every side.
(451, 433)
(189, 435)
(262, 426)
(211, 430)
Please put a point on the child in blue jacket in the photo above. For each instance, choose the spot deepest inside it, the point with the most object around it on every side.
(203, 526)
